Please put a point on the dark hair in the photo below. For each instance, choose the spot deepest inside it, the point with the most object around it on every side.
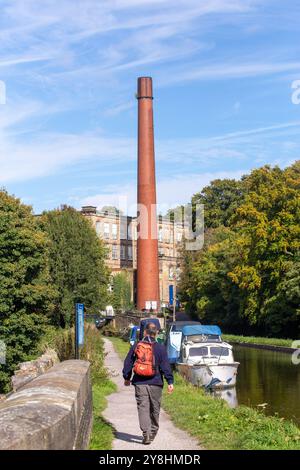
(151, 329)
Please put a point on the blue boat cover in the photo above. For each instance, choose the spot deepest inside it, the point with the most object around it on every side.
(133, 332)
(190, 330)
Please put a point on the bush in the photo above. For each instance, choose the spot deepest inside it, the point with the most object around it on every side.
(59, 339)
(77, 264)
(26, 295)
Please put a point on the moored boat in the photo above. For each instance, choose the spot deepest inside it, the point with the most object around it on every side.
(205, 360)
(174, 338)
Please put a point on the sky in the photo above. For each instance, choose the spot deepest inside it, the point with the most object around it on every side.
(224, 103)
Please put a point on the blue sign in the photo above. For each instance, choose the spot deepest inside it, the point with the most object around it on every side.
(80, 324)
(171, 294)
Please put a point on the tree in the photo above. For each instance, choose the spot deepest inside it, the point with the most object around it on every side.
(220, 199)
(77, 264)
(268, 223)
(247, 275)
(282, 310)
(121, 296)
(210, 294)
(26, 294)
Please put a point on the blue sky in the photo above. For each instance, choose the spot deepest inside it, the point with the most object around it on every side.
(222, 70)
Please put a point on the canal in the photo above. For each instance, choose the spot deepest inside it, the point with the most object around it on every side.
(268, 377)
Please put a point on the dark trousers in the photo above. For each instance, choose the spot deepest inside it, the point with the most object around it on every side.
(148, 398)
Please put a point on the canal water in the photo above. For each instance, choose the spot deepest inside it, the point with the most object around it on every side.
(268, 377)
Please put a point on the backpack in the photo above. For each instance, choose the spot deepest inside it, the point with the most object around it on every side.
(145, 359)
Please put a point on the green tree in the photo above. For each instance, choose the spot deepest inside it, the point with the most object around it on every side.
(121, 296)
(282, 310)
(247, 274)
(221, 198)
(77, 264)
(26, 294)
(268, 223)
(210, 294)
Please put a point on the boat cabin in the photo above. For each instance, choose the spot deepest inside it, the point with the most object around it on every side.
(195, 353)
(202, 344)
(174, 338)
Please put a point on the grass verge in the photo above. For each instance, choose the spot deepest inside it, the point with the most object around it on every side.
(217, 426)
(93, 351)
(258, 340)
(102, 433)
(121, 346)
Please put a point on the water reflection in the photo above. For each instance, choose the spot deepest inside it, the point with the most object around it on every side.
(266, 380)
(229, 395)
(268, 377)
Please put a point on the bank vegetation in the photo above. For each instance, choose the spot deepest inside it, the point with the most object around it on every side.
(216, 425)
(246, 278)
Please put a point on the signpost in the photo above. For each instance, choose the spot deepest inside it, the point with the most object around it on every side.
(79, 328)
(171, 294)
(151, 305)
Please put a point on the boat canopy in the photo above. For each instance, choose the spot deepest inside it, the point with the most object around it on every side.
(178, 325)
(190, 330)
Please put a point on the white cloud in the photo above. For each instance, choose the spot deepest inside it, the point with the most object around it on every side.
(133, 35)
(18, 114)
(171, 192)
(48, 153)
(21, 161)
(119, 108)
(8, 62)
(154, 32)
(227, 70)
(69, 49)
(237, 106)
(258, 130)
(180, 188)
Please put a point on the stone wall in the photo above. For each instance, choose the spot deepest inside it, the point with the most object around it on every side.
(32, 369)
(52, 411)
(123, 321)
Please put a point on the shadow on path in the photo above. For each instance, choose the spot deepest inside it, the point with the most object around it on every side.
(123, 436)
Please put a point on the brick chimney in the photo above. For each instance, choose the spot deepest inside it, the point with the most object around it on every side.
(147, 243)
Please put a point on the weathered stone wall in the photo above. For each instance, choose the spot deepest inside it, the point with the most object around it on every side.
(31, 369)
(124, 320)
(52, 411)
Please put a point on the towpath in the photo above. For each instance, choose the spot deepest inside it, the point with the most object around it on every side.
(122, 414)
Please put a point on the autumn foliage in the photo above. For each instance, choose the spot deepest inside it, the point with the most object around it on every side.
(247, 276)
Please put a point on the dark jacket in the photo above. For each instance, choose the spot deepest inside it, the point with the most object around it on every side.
(163, 367)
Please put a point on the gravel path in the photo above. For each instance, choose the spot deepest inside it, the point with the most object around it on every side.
(122, 414)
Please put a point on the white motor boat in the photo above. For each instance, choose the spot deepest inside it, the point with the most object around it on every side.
(206, 360)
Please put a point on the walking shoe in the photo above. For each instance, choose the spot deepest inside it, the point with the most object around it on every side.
(146, 439)
(153, 436)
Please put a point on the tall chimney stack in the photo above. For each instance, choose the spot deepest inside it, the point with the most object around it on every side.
(147, 243)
